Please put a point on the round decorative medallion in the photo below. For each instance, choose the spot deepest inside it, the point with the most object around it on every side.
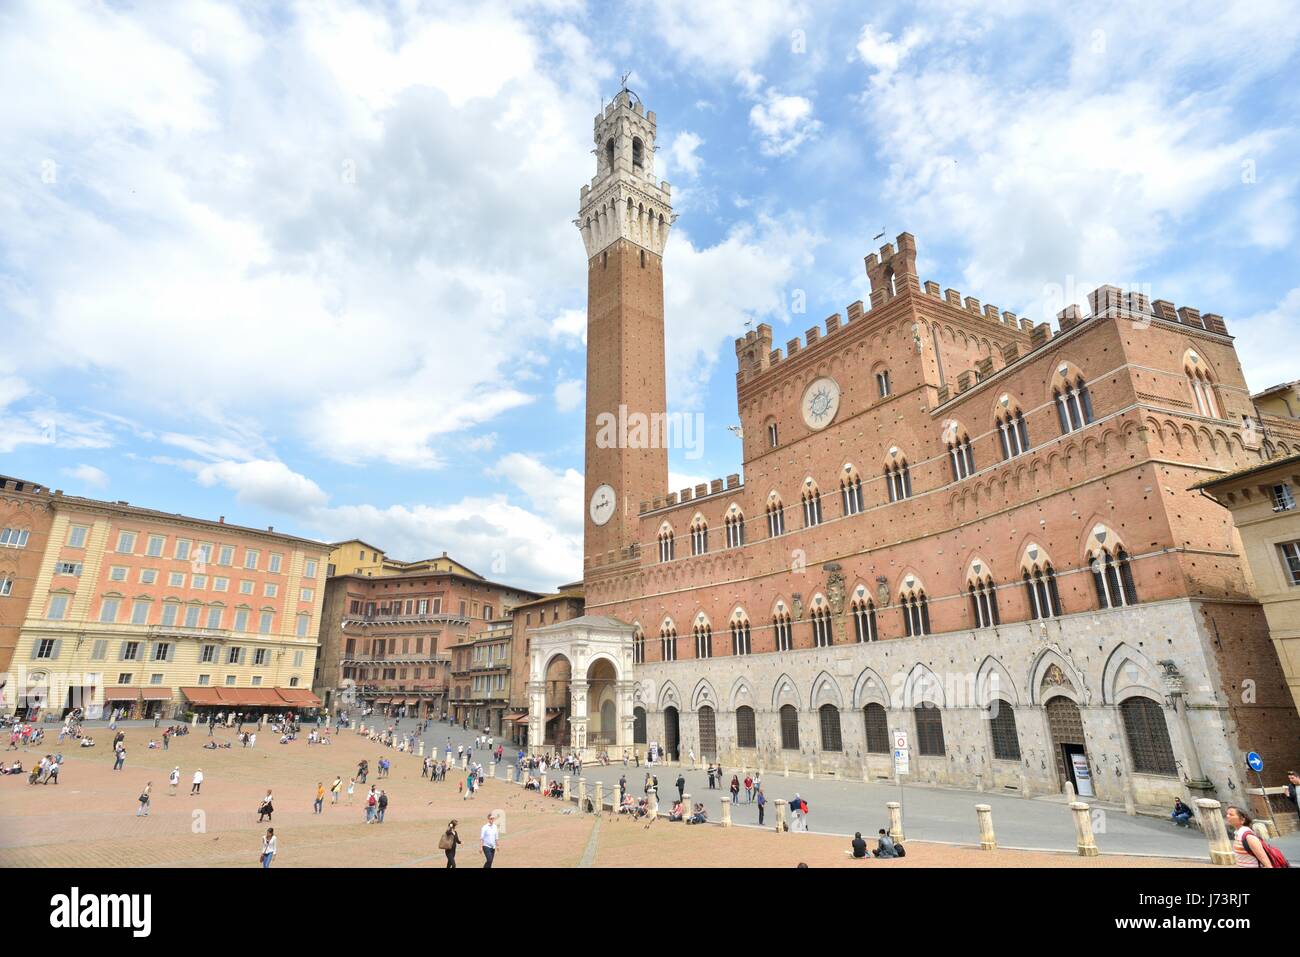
(602, 504)
(821, 401)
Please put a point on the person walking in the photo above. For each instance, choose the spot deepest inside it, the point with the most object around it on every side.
(1245, 842)
(761, 800)
(448, 843)
(735, 789)
(119, 756)
(749, 789)
(352, 786)
(266, 808)
(320, 796)
(681, 787)
(381, 805)
(372, 804)
(335, 788)
(143, 809)
(268, 848)
(197, 784)
(173, 781)
(489, 839)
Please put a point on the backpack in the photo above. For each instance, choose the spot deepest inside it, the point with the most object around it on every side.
(1275, 856)
(899, 849)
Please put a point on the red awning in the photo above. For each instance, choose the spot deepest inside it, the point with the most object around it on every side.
(298, 697)
(252, 697)
(156, 694)
(552, 717)
(202, 696)
(120, 693)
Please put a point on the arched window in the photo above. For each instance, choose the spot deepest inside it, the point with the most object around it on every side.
(1013, 433)
(829, 718)
(811, 498)
(667, 547)
(1113, 578)
(609, 154)
(821, 625)
(638, 646)
(789, 728)
(915, 608)
(775, 516)
(6, 586)
(960, 457)
(740, 643)
(898, 480)
(746, 736)
(735, 527)
(929, 730)
(882, 383)
(784, 633)
(851, 491)
(876, 724)
(638, 153)
(699, 536)
(1040, 586)
(983, 602)
(1073, 403)
(638, 726)
(772, 439)
(1201, 385)
(864, 620)
(1148, 737)
(1002, 727)
(668, 641)
(703, 640)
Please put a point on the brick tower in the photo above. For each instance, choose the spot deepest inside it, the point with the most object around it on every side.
(624, 218)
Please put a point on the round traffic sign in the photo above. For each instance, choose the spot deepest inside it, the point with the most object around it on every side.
(1255, 761)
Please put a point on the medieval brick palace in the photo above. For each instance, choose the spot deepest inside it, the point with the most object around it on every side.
(952, 523)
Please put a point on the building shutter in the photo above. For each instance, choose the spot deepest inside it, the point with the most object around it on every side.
(171, 651)
(58, 646)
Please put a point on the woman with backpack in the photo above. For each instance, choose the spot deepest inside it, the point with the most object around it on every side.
(1250, 849)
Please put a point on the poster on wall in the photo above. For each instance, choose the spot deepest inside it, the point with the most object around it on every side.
(1082, 777)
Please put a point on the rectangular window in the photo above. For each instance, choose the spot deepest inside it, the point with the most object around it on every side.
(250, 559)
(437, 606)
(140, 612)
(230, 681)
(199, 581)
(182, 552)
(203, 554)
(276, 561)
(148, 576)
(154, 548)
(1291, 561)
(422, 606)
(124, 677)
(307, 595)
(208, 654)
(232, 656)
(77, 536)
(108, 610)
(126, 542)
(265, 621)
(304, 622)
(293, 682)
(192, 613)
(170, 611)
(13, 537)
(1283, 500)
(257, 681)
(241, 619)
(221, 584)
(261, 656)
(161, 650)
(205, 679)
(226, 555)
(246, 588)
(117, 573)
(58, 607)
(131, 651)
(214, 618)
(68, 568)
(100, 651)
(309, 570)
(297, 659)
(45, 648)
(272, 590)
(176, 579)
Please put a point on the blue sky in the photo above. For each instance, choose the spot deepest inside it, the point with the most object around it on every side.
(313, 265)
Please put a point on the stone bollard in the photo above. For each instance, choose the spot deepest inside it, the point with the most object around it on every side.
(811, 772)
(195, 722)
(464, 761)
(984, 813)
(582, 794)
(726, 811)
(979, 781)
(1210, 814)
(600, 796)
(1024, 785)
(686, 807)
(1070, 795)
(866, 773)
(786, 772)
(1083, 829)
(895, 820)
(566, 787)
(421, 749)
(541, 784)
(780, 815)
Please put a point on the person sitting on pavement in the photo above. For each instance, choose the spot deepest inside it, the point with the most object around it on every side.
(699, 815)
(676, 813)
(885, 845)
(859, 846)
(1181, 813)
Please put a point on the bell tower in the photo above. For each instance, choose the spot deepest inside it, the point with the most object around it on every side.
(624, 216)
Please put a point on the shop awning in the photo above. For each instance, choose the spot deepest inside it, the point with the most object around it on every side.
(252, 697)
(516, 715)
(298, 697)
(383, 701)
(120, 694)
(552, 717)
(200, 696)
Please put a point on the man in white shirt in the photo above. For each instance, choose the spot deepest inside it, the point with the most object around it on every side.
(174, 780)
(198, 782)
(489, 839)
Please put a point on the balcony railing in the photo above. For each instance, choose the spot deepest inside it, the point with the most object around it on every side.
(180, 631)
(367, 621)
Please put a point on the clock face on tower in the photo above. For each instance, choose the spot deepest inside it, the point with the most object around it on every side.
(602, 505)
(821, 401)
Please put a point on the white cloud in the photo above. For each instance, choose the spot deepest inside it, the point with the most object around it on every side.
(269, 484)
(783, 123)
(682, 155)
(569, 394)
(1264, 363)
(570, 323)
(883, 53)
(725, 36)
(88, 475)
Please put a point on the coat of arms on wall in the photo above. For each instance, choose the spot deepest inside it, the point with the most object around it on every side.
(835, 588)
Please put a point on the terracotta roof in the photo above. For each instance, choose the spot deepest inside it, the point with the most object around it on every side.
(1248, 470)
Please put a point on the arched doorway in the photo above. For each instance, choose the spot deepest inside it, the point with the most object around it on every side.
(602, 707)
(1066, 727)
(559, 674)
(708, 734)
(672, 731)
(638, 726)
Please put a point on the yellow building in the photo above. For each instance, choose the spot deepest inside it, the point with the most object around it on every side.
(152, 612)
(356, 557)
(1262, 500)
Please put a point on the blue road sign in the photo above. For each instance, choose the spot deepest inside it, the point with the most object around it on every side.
(1255, 761)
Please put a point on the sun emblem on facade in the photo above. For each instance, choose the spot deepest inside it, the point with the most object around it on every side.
(821, 400)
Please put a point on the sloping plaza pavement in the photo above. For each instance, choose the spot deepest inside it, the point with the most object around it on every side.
(89, 818)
